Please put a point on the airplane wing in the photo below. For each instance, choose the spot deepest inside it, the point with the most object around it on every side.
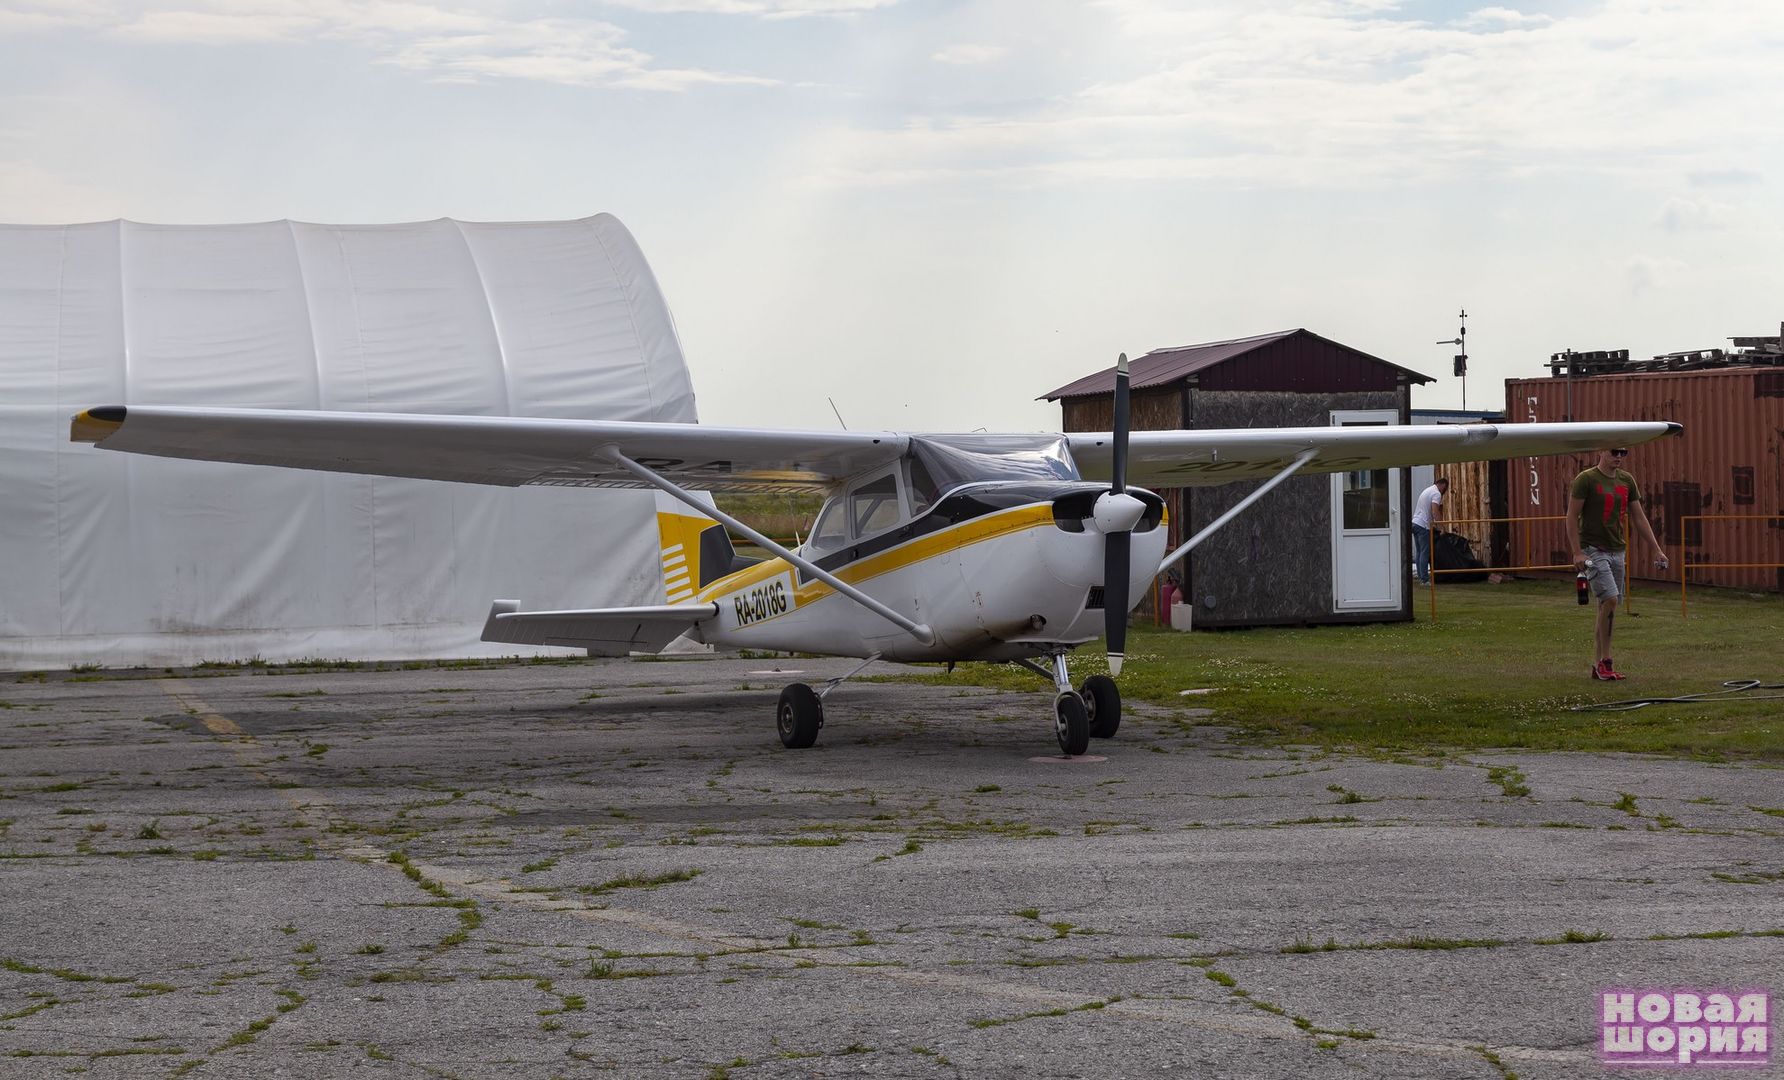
(513, 451)
(506, 451)
(1195, 458)
(602, 631)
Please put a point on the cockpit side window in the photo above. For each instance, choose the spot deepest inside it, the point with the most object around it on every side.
(874, 505)
(832, 528)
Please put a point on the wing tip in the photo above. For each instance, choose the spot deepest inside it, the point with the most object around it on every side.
(96, 424)
(1673, 428)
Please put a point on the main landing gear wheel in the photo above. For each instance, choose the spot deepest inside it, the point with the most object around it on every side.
(1071, 721)
(800, 716)
(1103, 701)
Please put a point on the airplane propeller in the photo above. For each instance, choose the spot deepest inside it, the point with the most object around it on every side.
(1116, 514)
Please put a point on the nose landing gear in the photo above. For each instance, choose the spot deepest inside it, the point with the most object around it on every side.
(1071, 722)
(1079, 715)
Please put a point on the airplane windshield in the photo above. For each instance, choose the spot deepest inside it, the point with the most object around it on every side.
(951, 460)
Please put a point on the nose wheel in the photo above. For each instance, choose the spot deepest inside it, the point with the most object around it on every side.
(1103, 701)
(1071, 722)
(1093, 712)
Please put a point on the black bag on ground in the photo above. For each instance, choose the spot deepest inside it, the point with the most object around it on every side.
(1450, 551)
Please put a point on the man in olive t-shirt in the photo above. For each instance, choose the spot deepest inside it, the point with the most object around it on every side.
(1596, 505)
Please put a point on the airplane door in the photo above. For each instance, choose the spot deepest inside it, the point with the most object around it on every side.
(1366, 542)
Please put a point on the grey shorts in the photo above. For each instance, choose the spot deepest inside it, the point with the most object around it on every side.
(1604, 569)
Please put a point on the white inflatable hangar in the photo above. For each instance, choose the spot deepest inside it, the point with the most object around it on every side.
(120, 560)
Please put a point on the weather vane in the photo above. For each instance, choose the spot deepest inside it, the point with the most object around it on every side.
(1460, 341)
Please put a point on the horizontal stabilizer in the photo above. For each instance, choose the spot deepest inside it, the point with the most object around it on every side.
(602, 631)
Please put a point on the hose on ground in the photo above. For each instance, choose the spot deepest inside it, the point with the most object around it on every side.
(1730, 688)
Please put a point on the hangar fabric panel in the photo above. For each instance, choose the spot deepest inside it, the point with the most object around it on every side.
(122, 560)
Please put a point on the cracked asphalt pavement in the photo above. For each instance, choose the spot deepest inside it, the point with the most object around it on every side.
(613, 868)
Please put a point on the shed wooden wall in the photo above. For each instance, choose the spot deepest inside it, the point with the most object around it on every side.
(1470, 496)
(1156, 409)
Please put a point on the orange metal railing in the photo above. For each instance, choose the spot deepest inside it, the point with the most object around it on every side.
(1685, 521)
(1527, 522)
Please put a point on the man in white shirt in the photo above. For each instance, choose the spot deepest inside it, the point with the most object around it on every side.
(1429, 500)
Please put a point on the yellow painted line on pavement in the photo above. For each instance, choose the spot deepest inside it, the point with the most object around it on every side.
(214, 721)
(246, 748)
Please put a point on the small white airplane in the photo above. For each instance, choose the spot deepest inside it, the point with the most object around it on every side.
(1004, 548)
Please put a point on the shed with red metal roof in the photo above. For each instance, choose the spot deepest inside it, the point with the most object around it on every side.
(1318, 549)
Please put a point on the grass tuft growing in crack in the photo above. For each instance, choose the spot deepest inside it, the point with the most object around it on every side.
(998, 1022)
(1574, 937)
(1510, 780)
(641, 881)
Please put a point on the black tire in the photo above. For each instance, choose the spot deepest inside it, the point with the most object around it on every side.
(1071, 721)
(799, 717)
(1103, 701)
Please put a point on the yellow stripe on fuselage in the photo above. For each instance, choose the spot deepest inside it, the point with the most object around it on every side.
(1002, 523)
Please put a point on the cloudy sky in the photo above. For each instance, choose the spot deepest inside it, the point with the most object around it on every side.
(933, 211)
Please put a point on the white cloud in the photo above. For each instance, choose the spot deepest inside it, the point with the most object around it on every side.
(1651, 273)
(1725, 177)
(1691, 215)
(970, 54)
(570, 52)
(1344, 94)
(216, 27)
(35, 195)
(773, 9)
(462, 42)
(1498, 16)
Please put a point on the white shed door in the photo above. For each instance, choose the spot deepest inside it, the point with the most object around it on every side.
(1366, 572)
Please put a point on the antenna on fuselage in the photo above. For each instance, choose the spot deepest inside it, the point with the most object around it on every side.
(838, 412)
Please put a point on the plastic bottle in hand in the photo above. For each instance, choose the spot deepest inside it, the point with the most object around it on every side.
(1581, 591)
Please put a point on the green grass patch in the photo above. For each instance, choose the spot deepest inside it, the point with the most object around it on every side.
(1510, 780)
(1511, 662)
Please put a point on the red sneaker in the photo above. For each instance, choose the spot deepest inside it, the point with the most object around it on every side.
(1603, 670)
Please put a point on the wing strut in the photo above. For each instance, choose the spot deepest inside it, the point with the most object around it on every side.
(917, 630)
(1263, 489)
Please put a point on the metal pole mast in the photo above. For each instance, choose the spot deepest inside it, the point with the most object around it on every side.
(1461, 343)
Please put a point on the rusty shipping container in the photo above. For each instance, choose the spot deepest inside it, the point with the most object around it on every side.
(1730, 460)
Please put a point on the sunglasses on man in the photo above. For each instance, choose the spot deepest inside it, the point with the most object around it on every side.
(1619, 453)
